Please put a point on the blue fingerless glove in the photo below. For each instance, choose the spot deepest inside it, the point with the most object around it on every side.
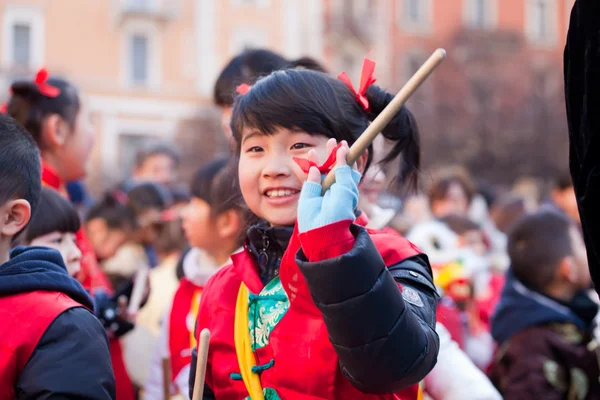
(338, 203)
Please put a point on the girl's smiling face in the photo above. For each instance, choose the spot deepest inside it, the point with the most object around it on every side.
(270, 179)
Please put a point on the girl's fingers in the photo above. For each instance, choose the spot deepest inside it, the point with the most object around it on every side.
(313, 156)
(342, 153)
(331, 143)
(314, 175)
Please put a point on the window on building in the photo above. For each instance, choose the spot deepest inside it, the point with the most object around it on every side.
(541, 12)
(480, 14)
(415, 15)
(542, 20)
(413, 10)
(138, 4)
(21, 46)
(139, 53)
(22, 38)
(410, 63)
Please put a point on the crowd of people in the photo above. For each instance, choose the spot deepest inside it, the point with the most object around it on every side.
(457, 289)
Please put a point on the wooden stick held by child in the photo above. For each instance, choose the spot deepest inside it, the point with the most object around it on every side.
(201, 364)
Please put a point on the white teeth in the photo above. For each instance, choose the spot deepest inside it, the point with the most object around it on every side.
(280, 192)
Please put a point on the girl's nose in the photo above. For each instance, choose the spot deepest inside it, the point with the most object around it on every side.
(278, 166)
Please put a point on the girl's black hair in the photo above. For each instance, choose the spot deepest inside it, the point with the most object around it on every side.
(120, 209)
(54, 213)
(145, 195)
(250, 65)
(112, 208)
(319, 104)
(29, 106)
(216, 183)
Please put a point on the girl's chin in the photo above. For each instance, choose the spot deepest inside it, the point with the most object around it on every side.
(278, 219)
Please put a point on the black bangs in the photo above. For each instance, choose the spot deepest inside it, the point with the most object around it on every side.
(299, 100)
(54, 214)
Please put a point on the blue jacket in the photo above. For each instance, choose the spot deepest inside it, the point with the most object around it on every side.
(521, 308)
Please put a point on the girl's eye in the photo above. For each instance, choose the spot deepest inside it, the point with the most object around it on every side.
(58, 240)
(300, 146)
(254, 149)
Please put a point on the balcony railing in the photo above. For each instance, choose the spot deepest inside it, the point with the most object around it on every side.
(161, 10)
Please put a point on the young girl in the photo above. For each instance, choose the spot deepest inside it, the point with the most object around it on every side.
(52, 111)
(54, 225)
(316, 306)
(214, 224)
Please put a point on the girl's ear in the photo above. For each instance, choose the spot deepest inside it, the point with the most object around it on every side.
(14, 214)
(361, 163)
(55, 131)
(228, 224)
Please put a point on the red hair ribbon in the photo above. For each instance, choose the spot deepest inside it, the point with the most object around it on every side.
(47, 90)
(327, 166)
(243, 88)
(366, 80)
(121, 197)
(168, 215)
(4, 108)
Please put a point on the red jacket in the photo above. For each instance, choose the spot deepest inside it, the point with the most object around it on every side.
(92, 277)
(181, 325)
(38, 309)
(305, 364)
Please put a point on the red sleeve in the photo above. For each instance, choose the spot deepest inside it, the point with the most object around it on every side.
(327, 242)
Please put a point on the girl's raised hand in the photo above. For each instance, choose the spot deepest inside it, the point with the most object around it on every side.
(338, 203)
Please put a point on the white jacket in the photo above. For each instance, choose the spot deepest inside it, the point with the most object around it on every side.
(198, 267)
(455, 377)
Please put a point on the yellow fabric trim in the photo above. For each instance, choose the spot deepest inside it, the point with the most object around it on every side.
(420, 392)
(243, 348)
(194, 311)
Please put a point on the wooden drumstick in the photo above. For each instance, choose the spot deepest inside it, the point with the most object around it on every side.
(367, 137)
(166, 367)
(201, 364)
(137, 293)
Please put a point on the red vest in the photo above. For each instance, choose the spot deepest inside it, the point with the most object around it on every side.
(305, 363)
(25, 317)
(181, 325)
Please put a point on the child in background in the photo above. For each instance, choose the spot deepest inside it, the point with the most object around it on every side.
(308, 265)
(51, 342)
(109, 224)
(155, 162)
(54, 225)
(169, 245)
(214, 225)
(144, 205)
(246, 68)
(54, 113)
(544, 320)
(451, 192)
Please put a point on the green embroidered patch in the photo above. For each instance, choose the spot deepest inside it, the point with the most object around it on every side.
(265, 310)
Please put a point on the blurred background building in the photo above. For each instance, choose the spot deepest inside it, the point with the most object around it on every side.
(148, 68)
